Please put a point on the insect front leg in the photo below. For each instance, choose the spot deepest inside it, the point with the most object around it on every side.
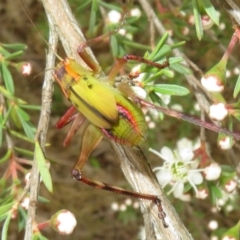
(86, 57)
(128, 57)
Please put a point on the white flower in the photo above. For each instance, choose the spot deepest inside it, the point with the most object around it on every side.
(218, 111)
(230, 186)
(212, 84)
(66, 222)
(114, 16)
(26, 69)
(202, 194)
(25, 203)
(225, 143)
(178, 169)
(212, 172)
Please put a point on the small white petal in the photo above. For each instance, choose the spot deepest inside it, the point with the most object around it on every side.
(167, 154)
(212, 84)
(195, 177)
(185, 197)
(178, 189)
(186, 154)
(218, 111)
(212, 172)
(184, 143)
(164, 177)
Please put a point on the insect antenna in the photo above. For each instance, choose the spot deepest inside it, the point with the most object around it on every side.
(29, 18)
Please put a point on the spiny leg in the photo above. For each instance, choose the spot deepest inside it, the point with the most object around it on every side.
(191, 119)
(128, 92)
(155, 199)
(122, 61)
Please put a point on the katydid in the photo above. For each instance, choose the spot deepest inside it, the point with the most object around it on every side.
(107, 111)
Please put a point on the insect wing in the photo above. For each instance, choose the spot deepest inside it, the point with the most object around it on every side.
(98, 95)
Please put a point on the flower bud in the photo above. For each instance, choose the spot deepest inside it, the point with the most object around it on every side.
(225, 143)
(25, 203)
(25, 68)
(230, 186)
(140, 92)
(218, 111)
(214, 79)
(64, 222)
(135, 12)
(202, 193)
(114, 16)
(212, 172)
(207, 22)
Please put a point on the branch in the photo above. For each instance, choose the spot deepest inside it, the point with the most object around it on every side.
(232, 9)
(133, 162)
(42, 129)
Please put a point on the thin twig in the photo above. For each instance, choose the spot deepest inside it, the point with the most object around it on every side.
(42, 129)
